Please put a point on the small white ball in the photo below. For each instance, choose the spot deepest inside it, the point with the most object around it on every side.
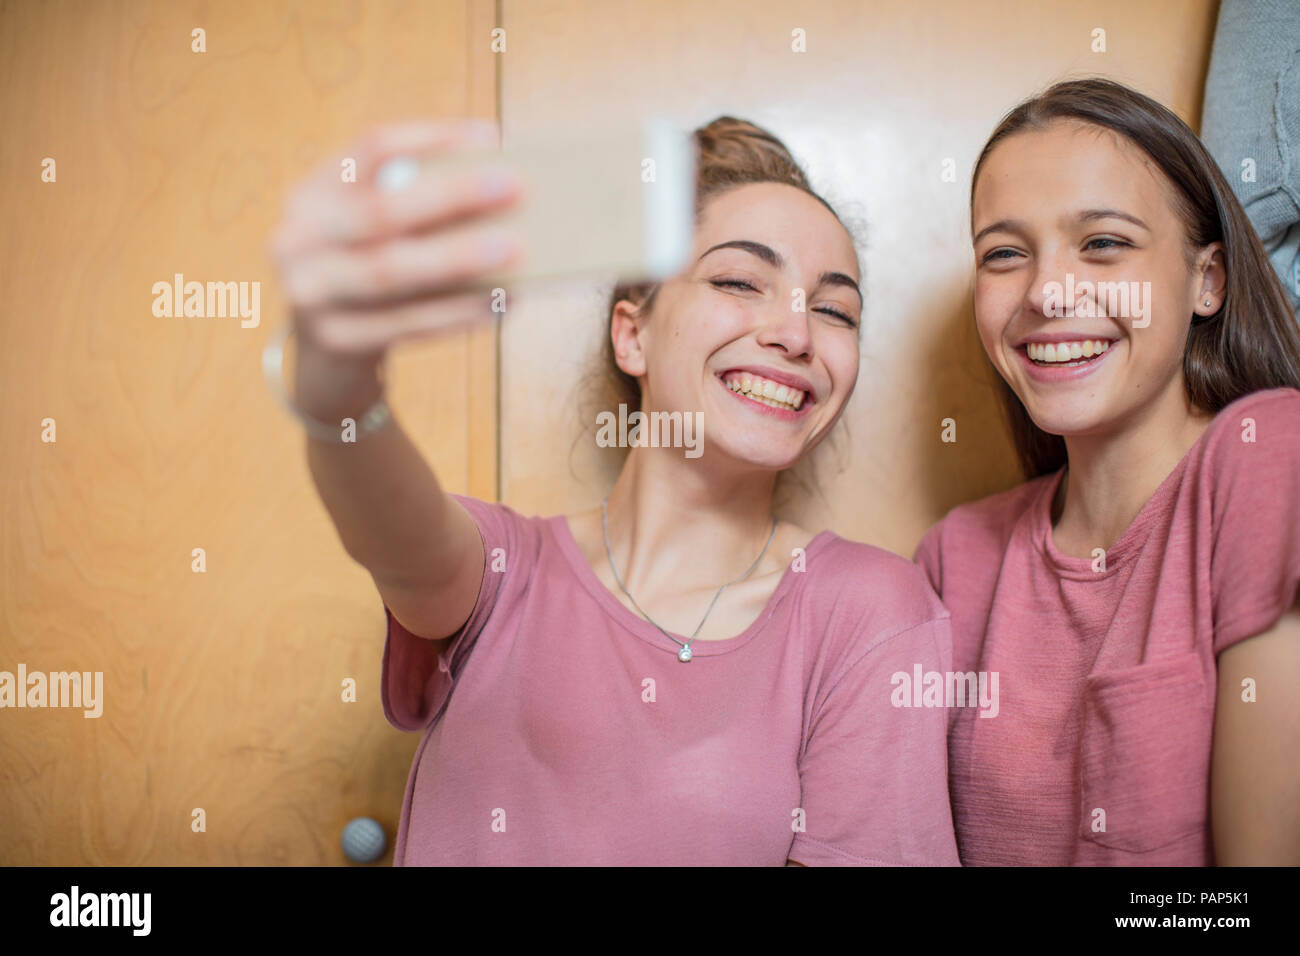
(363, 840)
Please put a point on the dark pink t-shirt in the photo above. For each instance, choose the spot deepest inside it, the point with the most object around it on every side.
(560, 728)
(1107, 678)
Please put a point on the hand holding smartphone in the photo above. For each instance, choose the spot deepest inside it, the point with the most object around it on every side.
(614, 202)
(410, 247)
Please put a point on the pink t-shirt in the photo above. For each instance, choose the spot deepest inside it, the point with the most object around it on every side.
(1107, 678)
(561, 729)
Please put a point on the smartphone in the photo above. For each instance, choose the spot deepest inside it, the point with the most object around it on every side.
(614, 202)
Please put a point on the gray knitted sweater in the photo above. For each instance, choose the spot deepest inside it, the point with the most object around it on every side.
(1251, 121)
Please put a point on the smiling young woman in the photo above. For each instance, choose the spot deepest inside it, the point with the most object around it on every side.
(676, 677)
(1138, 596)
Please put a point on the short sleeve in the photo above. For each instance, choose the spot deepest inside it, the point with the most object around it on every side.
(874, 776)
(416, 680)
(1255, 562)
(927, 557)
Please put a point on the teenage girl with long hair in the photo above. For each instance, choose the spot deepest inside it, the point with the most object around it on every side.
(676, 677)
(1138, 595)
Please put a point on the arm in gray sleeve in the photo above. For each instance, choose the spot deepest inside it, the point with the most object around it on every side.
(1251, 121)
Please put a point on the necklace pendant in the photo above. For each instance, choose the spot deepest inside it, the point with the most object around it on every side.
(684, 654)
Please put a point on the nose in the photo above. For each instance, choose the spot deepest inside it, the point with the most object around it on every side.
(788, 329)
(1044, 298)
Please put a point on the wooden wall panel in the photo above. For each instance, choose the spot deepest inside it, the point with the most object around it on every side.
(886, 91)
(221, 689)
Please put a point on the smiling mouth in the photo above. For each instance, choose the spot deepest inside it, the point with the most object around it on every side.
(765, 391)
(1065, 354)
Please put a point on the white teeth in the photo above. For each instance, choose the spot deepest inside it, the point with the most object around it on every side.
(1059, 352)
(769, 393)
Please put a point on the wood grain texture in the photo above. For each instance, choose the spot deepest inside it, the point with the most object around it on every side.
(222, 689)
(887, 90)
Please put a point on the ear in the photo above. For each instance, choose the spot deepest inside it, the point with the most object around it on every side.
(1212, 280)
(625, 333)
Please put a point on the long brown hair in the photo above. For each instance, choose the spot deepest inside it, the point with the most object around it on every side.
(1251, 342)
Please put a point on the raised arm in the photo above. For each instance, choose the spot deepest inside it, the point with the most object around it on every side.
(362, 269)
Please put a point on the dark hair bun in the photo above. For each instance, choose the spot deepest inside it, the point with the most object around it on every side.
(732, 152)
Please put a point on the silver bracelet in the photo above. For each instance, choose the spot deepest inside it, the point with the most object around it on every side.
(371, 420)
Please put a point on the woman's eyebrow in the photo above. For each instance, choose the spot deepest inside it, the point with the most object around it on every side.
(766, 253)
(1002, 225)
(1089, 215)
(839, 278)
(773, 258)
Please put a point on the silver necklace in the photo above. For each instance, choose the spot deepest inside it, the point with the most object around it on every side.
(685, 653)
